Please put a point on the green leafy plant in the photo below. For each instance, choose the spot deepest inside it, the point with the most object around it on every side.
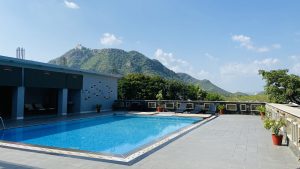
(159, 97)
(221, 107)
(146, 87)
(274, 125)
(268, 123)
(261, 108)
(214, 97)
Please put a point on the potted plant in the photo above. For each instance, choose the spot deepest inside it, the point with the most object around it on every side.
(275, 126)
(262, 111)
(159, 97)
(221, 109)
(98, 108)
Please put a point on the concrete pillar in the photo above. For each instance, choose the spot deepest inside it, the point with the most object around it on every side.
(77, 100)
(62, 101)
(18, 103)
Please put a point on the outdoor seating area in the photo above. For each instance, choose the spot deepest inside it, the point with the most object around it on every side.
(37, 108)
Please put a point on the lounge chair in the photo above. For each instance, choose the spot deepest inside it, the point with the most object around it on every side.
(28, 107)
(212, 109)
(181, 108)
(196, 110)
(39, 107)
(50, 108)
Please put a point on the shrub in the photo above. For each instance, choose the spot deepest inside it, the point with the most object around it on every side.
(221, 107)
(261, 108)
(274, 125)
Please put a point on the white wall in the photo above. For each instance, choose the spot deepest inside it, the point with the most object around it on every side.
(98, 90)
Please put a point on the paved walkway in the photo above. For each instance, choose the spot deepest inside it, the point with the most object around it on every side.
(227, 142)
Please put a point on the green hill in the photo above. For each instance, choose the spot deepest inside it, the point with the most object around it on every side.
(117, 61)
(205, 84)
(240, 94)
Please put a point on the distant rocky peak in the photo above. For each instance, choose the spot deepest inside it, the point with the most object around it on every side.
(78, 46)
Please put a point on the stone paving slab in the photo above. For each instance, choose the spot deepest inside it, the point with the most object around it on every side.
(227, 142)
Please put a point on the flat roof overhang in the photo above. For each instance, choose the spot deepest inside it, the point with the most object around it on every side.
(51, 79)
(10, 61)
(10, 76)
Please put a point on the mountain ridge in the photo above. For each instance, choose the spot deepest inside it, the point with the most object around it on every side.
(118, 61)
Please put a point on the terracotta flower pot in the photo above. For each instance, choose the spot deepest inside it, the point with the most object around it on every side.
(262, 115)
(277, 139)
(159, 109)
(98, 110)
(221, 111)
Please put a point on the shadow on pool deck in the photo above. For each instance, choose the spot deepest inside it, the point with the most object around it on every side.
(7, 165)
(50, 119)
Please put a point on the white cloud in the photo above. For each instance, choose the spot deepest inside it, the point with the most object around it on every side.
(243, 76)
(242, 38)
(295, 58)
(71, 5)
(266, 62)
(110, 39)
(179, 65)
(211, 57)
(236, 69)
(261, 49)
(296, 69)
(247, 69)
(202, 74)
(276, 46)
(297, 36)
(168, 59)
(246, 42)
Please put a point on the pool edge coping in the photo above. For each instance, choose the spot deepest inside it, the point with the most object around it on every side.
(123, 159)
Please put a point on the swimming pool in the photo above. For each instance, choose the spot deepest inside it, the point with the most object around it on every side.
(113, 134)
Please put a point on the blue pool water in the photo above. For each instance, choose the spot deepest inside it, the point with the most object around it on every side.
(118, 134)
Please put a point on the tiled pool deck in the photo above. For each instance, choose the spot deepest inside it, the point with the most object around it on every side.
(229, 141)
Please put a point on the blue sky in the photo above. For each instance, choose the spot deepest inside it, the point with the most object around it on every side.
(223, 41)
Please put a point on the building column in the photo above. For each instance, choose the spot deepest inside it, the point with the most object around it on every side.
(62, 101)
(18, 103)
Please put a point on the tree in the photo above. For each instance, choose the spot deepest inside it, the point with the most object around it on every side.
(143, 87)
(214, 97)
(201, 94)
(173, 90)
(159, 95)
(191, 92)
(140, 87)
(281, 87)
